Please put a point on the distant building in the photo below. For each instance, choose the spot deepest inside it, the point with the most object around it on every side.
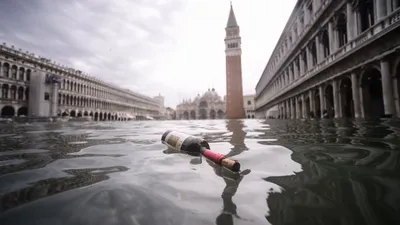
(170, 113)
(37, 87)
(207, 106)
(161, 107)
(210, 106)
(249, 106)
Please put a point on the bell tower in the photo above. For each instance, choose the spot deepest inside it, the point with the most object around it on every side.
(234, 86)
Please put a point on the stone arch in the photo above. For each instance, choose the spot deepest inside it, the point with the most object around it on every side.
(203, 114)
(313, 51)
(91, 114)
(22, 111)
(96, 116)
(20, 93)
(79, 114)
(28, 74)
(6, 69)
(101, 116)
(213, 114)
(324, 38)
(72, 113)
(294, 115)
(27, 93)
(346, 97)
(186, 115)
(367, 14)
(372, 94)
(300, 102)
(193, 115)
(307, 105)
(203, 104)
(65, 113)
(341, 27)
(317, 102)
(21, 73)
(13, 92)
(220, 114)
(4, 91)
(109, 116)
(86, 113)
(7, 111)
(14, 70)
(329, 103)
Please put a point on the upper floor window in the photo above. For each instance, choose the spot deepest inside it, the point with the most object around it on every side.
(233, 45)
(249, 102)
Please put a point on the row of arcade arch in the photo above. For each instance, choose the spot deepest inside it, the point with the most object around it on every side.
(371, 92)
(97, 116)
(203, 114)
(9, 111)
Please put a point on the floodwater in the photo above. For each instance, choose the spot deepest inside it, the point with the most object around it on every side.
(293, 172)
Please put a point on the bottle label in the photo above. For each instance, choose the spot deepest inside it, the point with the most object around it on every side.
(175, 139)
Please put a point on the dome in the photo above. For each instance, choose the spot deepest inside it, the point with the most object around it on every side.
(211, 95)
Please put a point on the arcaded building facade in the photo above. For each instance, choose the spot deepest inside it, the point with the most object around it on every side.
(37, 87)
(335, 58)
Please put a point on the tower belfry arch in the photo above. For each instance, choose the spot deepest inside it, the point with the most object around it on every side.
(233, 55)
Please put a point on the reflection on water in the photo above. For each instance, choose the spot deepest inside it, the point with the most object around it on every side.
(294, 172)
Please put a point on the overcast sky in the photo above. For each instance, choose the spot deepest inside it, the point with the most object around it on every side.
(172, 47)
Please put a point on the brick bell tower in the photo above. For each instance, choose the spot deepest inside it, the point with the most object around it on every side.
(234, 86)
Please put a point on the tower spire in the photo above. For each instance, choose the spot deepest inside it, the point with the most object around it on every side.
(232, 18)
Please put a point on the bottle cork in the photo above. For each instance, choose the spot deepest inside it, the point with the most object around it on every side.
(230, 164)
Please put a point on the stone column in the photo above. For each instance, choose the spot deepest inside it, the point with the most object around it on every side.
(389, 7)
(331, 34)
(356, 95)
(298, 112)
(312, 102)
(318, 46)
(309, 60)
(294, 35)
(380, 9)
(292, 109)
(291, 74)
(387, 88)
(303, 106)
(316, 5)
(336, 98)
(301, 63)
(321, 99)
(295, 69)
(306, 15)
(350, 21)
(287, 103)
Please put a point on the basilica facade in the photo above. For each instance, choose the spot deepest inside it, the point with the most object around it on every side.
(207, 106)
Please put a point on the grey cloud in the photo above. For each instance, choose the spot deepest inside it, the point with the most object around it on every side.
(107, 37)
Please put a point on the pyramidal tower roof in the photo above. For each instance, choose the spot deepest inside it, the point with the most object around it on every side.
(232, 18)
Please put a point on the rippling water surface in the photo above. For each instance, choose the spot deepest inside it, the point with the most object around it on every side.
(294, 172)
